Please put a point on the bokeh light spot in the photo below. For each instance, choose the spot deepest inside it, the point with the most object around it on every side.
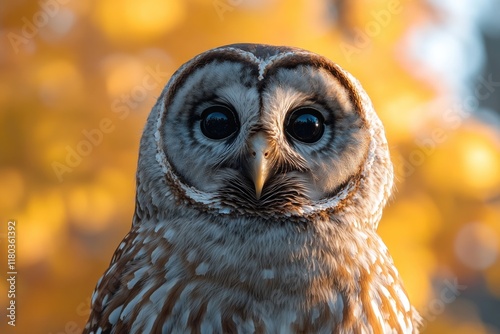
(122, 73)
(132, 20)
(93, 206)
(40, 226)
(59, 82)
(476, 245)
(481, 163)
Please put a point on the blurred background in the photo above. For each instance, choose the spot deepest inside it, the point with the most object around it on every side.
(78, 79)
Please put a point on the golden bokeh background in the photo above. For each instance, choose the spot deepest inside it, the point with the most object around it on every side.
(78, 79)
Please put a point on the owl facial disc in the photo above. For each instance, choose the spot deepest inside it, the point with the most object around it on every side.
(268, 132)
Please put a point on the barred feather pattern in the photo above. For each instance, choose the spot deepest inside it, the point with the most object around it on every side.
(207, 256)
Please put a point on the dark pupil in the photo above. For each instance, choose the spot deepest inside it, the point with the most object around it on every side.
(218, 122)
(306, 127)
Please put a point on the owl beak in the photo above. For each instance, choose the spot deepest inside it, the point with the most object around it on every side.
(259, 154)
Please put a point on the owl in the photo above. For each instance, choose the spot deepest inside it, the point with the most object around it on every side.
(262, 175)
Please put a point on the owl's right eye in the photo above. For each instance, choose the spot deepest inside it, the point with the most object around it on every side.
(218, 122)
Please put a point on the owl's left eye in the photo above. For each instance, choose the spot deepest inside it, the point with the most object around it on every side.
(218, 122)
(306, 125)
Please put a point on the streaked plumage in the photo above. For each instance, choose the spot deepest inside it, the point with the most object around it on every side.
(262, 176)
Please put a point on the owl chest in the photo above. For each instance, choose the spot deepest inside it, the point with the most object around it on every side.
(211, 282)
(206, 303)
(224, 285)
(218, 304)
(201, 292)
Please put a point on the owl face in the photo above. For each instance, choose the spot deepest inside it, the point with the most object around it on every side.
(266, 131)
(256, 140)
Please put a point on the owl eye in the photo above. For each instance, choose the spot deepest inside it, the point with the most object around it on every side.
(218, 122)
(306, 125)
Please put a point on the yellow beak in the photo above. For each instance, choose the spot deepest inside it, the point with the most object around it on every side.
(259, 168)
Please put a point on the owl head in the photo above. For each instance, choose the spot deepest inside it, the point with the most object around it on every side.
(267, 132)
